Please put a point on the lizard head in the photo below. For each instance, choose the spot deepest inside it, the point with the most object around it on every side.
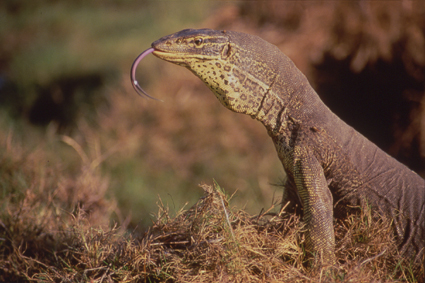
(233, 65)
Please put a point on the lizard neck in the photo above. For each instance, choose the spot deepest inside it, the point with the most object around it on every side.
(290, 99)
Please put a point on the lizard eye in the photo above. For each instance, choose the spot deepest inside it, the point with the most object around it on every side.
(199, 41)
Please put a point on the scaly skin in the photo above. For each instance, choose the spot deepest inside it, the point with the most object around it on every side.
(330, 165)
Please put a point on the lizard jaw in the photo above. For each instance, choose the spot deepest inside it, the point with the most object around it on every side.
(182, 59)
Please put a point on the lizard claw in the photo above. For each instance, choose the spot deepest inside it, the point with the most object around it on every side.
(134, 82)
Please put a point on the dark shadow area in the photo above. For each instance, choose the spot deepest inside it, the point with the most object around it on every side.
(377, 102)
(61, 101)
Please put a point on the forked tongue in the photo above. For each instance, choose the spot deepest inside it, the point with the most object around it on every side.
(134, 82)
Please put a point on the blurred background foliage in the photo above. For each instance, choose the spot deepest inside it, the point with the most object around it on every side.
(65, 95)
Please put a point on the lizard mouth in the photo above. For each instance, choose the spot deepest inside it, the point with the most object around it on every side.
(178, 58)
(164, 54)
(168, 56)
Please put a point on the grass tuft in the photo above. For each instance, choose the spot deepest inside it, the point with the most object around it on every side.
(48, 233)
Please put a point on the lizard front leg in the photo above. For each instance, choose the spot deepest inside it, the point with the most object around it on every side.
(316, 199)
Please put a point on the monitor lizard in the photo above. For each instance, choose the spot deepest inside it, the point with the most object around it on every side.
(329, 165)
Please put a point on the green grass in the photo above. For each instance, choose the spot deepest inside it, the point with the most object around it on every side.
(71, 37)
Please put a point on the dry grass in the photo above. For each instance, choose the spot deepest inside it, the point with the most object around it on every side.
(49, 234)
